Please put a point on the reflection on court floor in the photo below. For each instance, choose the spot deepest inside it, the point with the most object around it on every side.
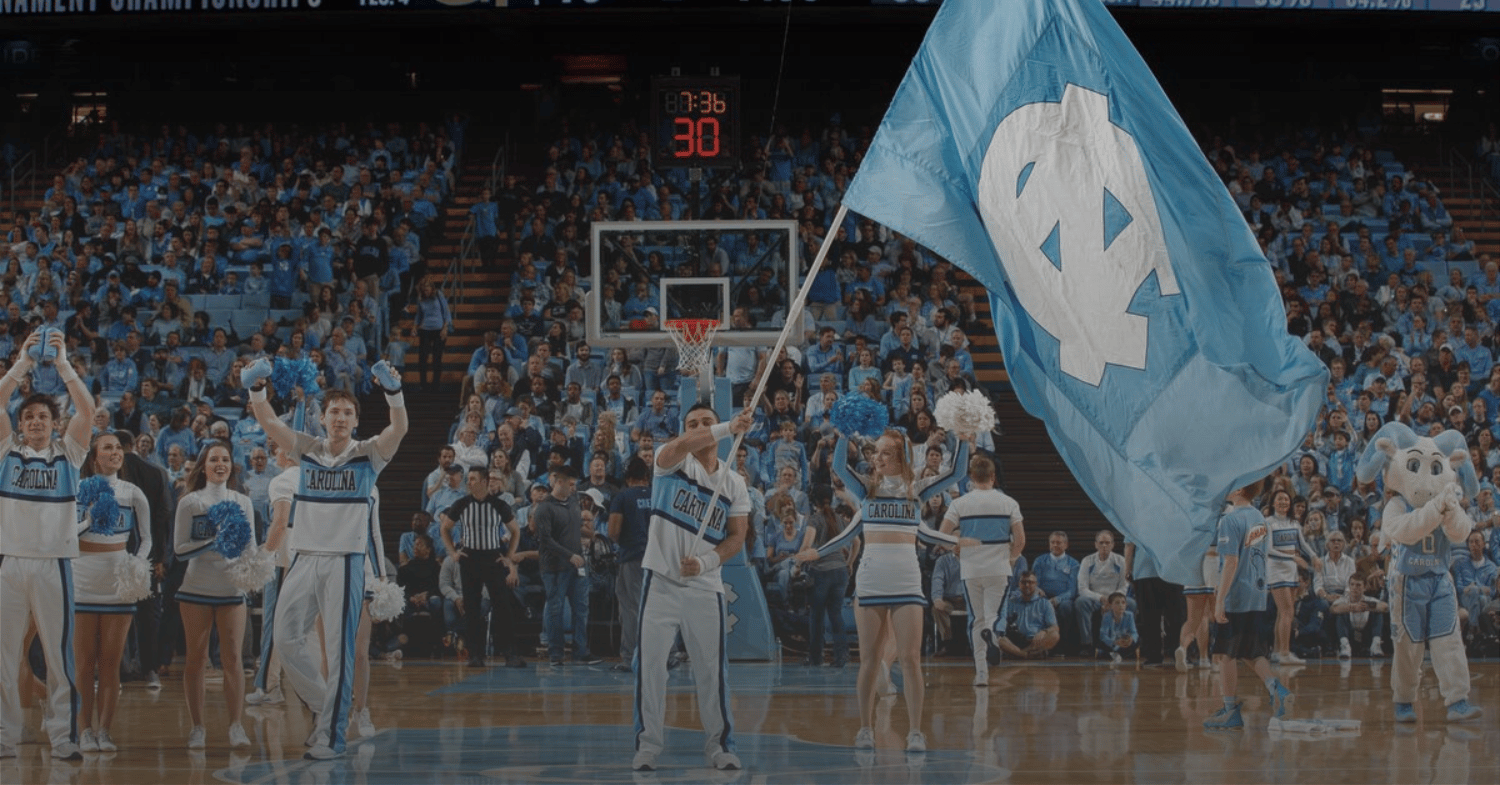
(601, 754)
(744, 678)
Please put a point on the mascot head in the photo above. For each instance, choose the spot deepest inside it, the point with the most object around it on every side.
(1418, 468)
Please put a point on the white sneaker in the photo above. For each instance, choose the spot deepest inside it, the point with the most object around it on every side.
(67, 751)
(363, 724)
(262, 698)
(1345, 650)
(106, 744)
(1377, 648)
(320, 752)
(916, 742)
(197, 738)
(1292, 659)
(237, 737)
(1213, 666)
(87, 742)
(1180, 657)
(1114, 658)
(153, 681)
(1206, 664)
(865, 739)
(724, 760)
(644, 761)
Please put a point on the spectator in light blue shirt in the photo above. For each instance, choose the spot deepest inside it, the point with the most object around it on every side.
(827, 356)
(1057, 578)
(1118, 638)
(1478, 356)
(1029, 625)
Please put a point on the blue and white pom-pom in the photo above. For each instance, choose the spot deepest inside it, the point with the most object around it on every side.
(856, 413)
(232, 529)
(132, 579)
(387, 600)
(295, 373)
(97, 497)
(254, 568)
(965, 412)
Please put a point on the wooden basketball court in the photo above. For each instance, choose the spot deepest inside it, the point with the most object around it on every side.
(1057, 722)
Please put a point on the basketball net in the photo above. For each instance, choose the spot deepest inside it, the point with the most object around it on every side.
(694, 339)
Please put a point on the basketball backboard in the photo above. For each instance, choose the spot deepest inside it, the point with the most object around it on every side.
(690, 270)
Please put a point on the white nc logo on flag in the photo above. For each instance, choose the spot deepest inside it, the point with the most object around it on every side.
(1066, 201)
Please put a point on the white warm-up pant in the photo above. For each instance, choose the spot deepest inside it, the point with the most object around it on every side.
(986, 599)
(1424, 609)
(42, 588)
(668, 608)
(333, 586)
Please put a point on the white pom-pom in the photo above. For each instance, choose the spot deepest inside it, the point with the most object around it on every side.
(252, 570)
(965, 413)
(387, 601)
(132, 579)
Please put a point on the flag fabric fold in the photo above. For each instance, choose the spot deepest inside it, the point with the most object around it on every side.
(1030, 145)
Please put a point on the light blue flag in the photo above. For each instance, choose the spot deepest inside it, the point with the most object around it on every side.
(1030, 145)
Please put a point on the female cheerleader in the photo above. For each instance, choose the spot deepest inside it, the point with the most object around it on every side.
(207, 597)
(101, 618)
(889, 580)
(1287, 553)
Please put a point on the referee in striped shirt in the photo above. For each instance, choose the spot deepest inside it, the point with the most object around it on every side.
(488, 543)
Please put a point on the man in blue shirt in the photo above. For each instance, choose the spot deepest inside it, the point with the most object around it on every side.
(1031, 628)
(657, 421)
(1478, 355)
(1239, 608)
(485, 213)
(826, 356)
(1057, 579)
(629, 525)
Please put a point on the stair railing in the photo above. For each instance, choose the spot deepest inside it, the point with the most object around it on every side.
(22, 172)
(1479, 187)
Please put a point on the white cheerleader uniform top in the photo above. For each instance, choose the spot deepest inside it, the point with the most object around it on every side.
(985, 515)
(135, 516)
(889, 508)
(679, 505)
(38, 493)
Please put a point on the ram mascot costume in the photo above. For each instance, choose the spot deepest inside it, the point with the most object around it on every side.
(1427, 480)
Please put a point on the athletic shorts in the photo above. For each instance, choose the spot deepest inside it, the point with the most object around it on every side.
(1241, 638)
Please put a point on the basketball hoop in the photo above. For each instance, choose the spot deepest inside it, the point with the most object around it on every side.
(694, 337)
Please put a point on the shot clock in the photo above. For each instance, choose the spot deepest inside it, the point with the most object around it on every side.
(695, 120)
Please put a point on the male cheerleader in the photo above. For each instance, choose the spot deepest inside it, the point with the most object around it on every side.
(683, 592)
(38, 542)
(988, 523)
(1240, 605)
(336, 479)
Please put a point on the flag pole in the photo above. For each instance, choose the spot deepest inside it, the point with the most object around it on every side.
(793, 323)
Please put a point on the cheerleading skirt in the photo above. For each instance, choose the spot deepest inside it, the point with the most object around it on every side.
(207, 583)
(1281, 572)
(94, 588)
(1210, 579)
(889, 575)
